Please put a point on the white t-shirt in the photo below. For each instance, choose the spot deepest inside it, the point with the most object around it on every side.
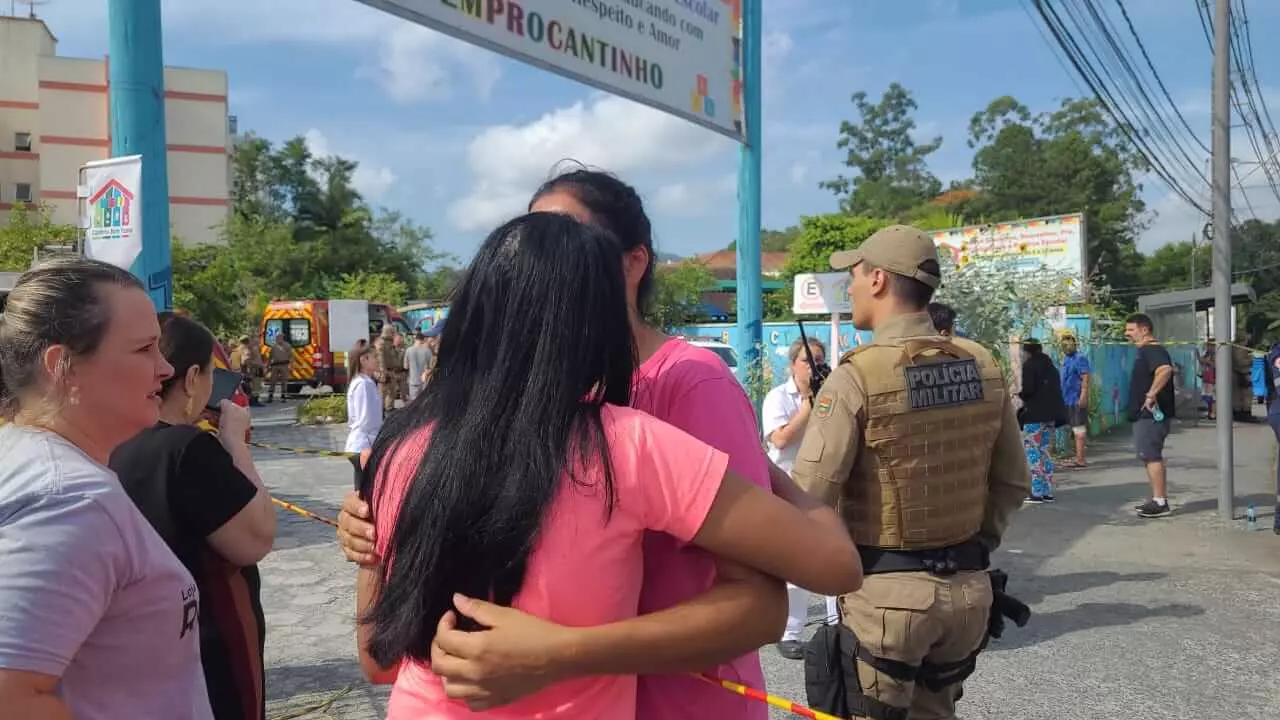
(90, 593)
(780, 405)
(364, 414)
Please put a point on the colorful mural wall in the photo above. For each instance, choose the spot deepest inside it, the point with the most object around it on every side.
(1111, 362)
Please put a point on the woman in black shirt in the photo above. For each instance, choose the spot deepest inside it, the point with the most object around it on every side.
(203, 495)
(1042, 411)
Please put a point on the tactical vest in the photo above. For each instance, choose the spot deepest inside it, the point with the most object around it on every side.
(934, 408)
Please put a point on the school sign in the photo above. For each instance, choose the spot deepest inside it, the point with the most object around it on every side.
(680, 56)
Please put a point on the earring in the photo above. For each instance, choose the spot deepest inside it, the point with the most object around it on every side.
(189, 410)
(73, 397)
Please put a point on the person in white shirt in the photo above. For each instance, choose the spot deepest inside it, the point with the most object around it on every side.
(364, 406)
(785, 413)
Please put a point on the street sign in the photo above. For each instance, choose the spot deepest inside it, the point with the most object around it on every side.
(821, 294)
(682, 57)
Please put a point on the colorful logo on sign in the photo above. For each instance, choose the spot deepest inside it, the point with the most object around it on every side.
(702, 102)
(112, 206)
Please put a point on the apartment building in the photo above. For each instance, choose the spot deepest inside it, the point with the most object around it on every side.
(55, 117)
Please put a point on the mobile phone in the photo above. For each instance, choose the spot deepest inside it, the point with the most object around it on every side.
(225, 384)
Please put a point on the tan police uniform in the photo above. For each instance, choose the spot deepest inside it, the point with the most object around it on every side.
(914, 441)
(389, 362)
(278, 372)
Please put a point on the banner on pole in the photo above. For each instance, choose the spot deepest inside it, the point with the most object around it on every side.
(113, 210)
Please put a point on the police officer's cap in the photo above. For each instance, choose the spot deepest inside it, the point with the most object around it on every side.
(899, 249)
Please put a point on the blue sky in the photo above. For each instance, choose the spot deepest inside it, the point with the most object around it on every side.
(457, 137)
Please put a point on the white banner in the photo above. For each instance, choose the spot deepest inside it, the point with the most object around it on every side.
(679, 56)
(821, 294)
(113, 210)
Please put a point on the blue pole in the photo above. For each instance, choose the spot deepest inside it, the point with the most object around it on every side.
(136, 97)
(750, 302)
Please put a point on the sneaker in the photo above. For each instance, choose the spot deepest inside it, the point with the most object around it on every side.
(1153, 509)
(1033, 499)
(1046, 498)
(791, 649)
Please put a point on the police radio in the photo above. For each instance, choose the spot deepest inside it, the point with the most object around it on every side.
(818, 372)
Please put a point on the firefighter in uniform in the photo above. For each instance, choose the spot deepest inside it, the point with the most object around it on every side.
(913, 439)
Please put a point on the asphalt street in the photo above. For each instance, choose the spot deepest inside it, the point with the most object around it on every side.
(1177, 617)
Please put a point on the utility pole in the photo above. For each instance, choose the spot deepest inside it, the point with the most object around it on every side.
(1223, 330)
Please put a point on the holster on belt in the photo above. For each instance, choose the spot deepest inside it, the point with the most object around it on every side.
(831, 656)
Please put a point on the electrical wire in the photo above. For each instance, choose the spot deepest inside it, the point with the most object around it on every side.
(1120, 113)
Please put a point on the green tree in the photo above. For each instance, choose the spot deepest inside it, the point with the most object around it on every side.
(817, 237)
(207, 285)
(1169, 268)
(821, 235)
(299, 229)
(772, 240)
(28, 229)
(890, 172)
(1255, 253)
(1073, 159)
(374, 287)
(998, 306)
(677, 294)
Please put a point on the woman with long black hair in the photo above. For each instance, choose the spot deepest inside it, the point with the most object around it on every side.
(521, 477)
(1042, 412)
(706, 613)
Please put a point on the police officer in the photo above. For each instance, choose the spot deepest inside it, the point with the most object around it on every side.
(914, 441)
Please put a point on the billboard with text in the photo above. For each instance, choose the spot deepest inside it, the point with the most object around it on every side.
(679, 56)
(1054, 243)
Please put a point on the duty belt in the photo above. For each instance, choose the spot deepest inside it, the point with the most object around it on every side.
(968, 556)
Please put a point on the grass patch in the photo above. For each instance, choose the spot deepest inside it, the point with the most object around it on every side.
(323, 410)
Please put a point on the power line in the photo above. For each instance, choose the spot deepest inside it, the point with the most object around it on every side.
(1124, 12)
(1093, 78)
(1138, 88)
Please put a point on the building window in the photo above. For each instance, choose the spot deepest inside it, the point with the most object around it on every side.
(22, 142)
(22, 192)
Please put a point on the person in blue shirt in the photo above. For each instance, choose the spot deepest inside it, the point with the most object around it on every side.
(1075, 373)
(1271, 373)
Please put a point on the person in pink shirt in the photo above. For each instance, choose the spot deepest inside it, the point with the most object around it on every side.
(523, 477)
(707, 613)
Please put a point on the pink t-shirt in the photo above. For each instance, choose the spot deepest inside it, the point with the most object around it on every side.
(691, 388)
(583, 571)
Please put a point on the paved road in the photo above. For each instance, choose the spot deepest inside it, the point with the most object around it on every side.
(1171, 618)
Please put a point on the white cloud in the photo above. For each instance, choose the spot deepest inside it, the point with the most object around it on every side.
(508, 161)
(1175, 219)
(690, 199)
(416, 64)
(372, 181)
(799, 171)
(410, 63)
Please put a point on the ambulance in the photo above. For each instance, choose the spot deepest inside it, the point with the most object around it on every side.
(305, 324)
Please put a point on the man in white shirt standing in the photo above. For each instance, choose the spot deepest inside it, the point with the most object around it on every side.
(785, 412)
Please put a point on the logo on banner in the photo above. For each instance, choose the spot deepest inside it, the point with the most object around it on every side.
(112, 211)
(112, 217)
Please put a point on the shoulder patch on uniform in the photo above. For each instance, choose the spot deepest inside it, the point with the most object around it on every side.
(823, 407)
(943, 384)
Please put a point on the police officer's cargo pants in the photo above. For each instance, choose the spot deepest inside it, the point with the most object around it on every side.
(907, 620)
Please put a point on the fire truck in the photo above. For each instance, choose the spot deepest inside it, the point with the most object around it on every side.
(306, 325)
